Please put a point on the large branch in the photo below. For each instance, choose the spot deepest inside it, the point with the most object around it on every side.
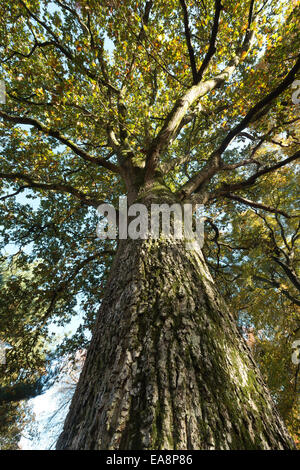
(257, 205)
(122, 110)
(61, 138)
(67, 53)
(63, 286)
(173, 120)
(214, 163)
(59, 187)
(34, 47)
(226, 190)
(277, 285)
(250, 116)
(200, 89)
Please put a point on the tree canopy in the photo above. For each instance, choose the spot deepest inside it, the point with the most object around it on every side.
(105, 97)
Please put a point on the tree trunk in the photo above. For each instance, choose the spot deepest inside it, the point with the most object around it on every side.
(167, 367)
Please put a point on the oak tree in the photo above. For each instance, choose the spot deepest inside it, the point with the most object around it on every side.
(181, 101)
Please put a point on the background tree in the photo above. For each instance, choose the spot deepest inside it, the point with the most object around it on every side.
(164, 102)
(15, 417)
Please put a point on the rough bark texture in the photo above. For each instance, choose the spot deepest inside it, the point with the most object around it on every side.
(167, 367)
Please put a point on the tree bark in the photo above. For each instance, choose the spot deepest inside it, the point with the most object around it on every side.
(167, 367)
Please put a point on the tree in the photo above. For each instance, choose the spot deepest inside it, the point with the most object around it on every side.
(165, 102)
(23, 371)
(49, 423)
(14, 417)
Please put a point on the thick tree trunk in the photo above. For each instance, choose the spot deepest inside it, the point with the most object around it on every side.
(167, 367)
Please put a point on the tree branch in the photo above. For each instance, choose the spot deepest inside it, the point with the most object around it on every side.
(57, 135)
(174, 118)
(226, 188)
(278, 286)
(259, 106)
(66, 52)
